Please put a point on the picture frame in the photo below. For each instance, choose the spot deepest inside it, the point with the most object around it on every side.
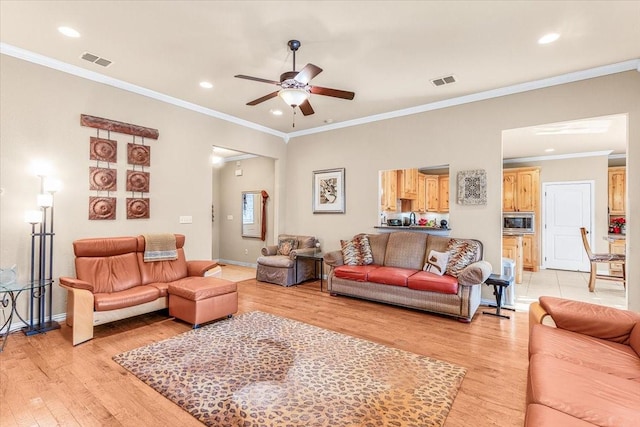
(472, 187)
(328, 194)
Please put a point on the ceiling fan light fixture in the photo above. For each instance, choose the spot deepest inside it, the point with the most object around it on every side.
(294, 96)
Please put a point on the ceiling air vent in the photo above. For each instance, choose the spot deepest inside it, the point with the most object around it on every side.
(441, 81)
(95, 59)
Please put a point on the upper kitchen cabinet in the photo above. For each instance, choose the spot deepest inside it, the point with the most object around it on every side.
(420, 204)
(389, 184)
(520, 190)
(408, 184)
(617, 189)
(432, 193)
(443, 193)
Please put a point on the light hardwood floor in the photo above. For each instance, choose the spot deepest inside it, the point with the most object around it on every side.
(45, 381)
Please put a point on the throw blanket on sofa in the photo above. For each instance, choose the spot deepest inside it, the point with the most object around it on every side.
(160, 247)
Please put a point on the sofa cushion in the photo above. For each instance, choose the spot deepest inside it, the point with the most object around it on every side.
(634, 338)
(125, 298)
(436, 262)
(357, 251)
(427, 281)
(593, 396)
(109, 273)
(543, 416)
(390, 275)
(162, 271)
(276, 261)
(406, 249)
(286, 245)
(595, 353)
(378, 243)
(462, 252)
(359, 273)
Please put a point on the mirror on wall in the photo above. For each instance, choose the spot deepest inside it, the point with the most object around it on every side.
(251, 214)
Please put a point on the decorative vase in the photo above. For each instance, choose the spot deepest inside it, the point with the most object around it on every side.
(616, 230)
(623, 229)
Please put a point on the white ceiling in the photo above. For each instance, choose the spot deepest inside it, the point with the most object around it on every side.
(385, 51)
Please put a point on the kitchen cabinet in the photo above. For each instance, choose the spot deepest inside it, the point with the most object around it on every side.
(432, 193)
(443, 193)
(420, 204)
(520, 190)
(617, 246)
(617, 190)
(389, 184)
(529, 249)
(521, 193)
(408, 184)
(512, 249)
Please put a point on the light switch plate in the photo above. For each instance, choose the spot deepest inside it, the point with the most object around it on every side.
(230, 217)
(185, 219)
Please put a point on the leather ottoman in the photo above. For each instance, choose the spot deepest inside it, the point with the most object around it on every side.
(200, 301)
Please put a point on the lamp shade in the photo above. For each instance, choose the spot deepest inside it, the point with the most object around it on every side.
(33, 217)
(45, 200)
(293, 96)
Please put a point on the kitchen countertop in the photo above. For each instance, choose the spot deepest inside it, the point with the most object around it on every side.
(614, 236)
(433, 230)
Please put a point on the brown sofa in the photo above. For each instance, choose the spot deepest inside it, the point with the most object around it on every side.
(286, 270)
(113, 282)
(584, 365)
(396, 276)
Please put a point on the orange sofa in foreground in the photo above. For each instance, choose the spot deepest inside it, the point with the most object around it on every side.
(584, 365)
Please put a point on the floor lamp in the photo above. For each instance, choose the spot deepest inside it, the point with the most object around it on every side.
(41, 265)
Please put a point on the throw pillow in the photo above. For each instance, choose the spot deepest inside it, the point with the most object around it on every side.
(436, 262)
(285, 246)
(357, 251)
(461, 254)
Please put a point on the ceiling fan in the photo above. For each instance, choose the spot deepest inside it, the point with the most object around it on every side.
(295, 88)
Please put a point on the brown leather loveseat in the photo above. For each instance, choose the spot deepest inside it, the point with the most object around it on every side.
(113, 282)
(584, 365)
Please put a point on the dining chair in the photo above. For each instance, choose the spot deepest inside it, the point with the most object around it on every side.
(608, 258)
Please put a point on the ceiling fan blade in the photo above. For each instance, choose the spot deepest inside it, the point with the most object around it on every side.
(264, 98)
(307, 73)
(256, 79)
(336, 93)
(306, 108)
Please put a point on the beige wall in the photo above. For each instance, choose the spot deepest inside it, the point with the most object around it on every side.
(580, 169)
(465, 137)
(40, 117)
(258, 174)
(40, 111)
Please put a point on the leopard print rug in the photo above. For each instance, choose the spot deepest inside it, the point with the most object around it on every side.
(257, 369)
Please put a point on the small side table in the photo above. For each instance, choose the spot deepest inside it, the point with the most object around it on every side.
(318, 258)
(499, 283)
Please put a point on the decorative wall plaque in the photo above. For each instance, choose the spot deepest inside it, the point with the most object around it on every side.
(138, 181)
(139, 155)
(472, 187)
(103, 179)
(102, 208)
(137, 208)
(105, 150)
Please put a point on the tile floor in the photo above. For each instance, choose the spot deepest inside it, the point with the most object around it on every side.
(568, 284)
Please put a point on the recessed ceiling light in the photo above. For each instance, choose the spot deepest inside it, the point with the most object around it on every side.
(276, 112)
(548, 38)
(549, 150)
(69, 32)
(206, 85)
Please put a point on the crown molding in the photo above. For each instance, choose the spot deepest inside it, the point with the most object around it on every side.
(560, 157)
(16, 52)
(36, 58)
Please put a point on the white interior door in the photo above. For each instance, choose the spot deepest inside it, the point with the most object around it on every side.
(567, 207)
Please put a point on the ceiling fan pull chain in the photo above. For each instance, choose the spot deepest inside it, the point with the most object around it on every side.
(293, 125)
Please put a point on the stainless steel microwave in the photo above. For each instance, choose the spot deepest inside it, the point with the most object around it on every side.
(518, 222)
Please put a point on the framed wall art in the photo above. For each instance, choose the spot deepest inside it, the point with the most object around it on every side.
(328, 191)
(472, 187)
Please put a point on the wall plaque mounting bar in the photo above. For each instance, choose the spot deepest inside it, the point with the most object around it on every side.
(120, 127)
